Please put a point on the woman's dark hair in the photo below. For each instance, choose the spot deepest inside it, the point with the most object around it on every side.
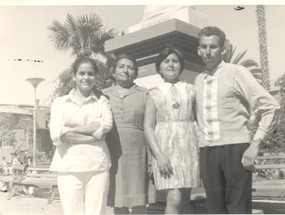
(124, 56)
(81, 60)
(169, 49)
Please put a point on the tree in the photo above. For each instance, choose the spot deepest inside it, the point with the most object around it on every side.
(276, 140)
(8, 123)
(261, 73)
(261, 23)
(229, 55)
(85, 36)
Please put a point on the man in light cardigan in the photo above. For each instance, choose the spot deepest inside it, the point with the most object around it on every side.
(226, 96)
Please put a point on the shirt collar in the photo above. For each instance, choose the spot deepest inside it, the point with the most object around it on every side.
(73, 98)
(132, 90)
(165, 86)
(215, 72)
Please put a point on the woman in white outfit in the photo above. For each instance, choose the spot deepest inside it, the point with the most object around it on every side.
(78, 125)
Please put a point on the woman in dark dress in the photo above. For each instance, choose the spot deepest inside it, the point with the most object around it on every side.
(126, 141)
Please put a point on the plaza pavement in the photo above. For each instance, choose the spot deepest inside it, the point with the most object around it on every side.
(23, 205)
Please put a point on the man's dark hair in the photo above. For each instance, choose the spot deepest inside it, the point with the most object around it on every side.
(213, 30)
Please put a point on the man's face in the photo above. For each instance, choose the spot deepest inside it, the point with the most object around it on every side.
(210, 51)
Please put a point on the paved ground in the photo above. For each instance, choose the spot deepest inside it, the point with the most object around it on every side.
(22, 205)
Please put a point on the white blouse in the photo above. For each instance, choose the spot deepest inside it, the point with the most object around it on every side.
(68, 157)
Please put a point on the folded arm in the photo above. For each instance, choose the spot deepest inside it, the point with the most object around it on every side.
(77, 138)
(86, 129)
(61, 130)
(57, 127)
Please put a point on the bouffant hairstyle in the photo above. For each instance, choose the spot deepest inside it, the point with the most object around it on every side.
(169, 49)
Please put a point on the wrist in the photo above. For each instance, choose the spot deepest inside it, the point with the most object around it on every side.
(73, 130)
(256, 142)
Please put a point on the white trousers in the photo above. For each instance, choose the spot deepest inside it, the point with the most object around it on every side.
(83, 193)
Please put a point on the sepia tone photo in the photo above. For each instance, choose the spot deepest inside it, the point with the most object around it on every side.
(142, 109)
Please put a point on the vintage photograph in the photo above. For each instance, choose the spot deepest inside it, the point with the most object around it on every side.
(142, 109)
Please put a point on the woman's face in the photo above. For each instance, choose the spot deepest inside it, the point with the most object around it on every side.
(85, 77)
(170, 68)
(125, 71)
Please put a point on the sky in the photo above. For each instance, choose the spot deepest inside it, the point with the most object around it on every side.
(25, 35)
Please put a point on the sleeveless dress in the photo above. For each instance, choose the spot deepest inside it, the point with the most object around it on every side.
(176, 136)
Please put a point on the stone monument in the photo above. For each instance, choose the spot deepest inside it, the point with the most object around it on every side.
(157, 14)
(161, 25)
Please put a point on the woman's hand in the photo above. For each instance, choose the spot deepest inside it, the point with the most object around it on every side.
(163, 162)
(164, 166)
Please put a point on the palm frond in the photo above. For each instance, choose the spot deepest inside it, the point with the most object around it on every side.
(59, 35)
(233, 51)
(71, 23)
(239, 57)
(229, 55)
(84, 35)
(92, 20)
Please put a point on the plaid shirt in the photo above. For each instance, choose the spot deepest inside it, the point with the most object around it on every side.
(225, 100)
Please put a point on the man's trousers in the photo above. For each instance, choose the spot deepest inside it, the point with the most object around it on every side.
(227, 183)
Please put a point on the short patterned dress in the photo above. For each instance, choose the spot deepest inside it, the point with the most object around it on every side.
(176, 136)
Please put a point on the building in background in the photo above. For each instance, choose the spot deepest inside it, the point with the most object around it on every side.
(23, 132)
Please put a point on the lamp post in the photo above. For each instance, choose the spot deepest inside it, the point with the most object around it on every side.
(35, 82)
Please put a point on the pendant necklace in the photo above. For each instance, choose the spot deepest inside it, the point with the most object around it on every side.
(175, 103)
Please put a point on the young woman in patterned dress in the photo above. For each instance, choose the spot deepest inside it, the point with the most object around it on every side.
(170, 133)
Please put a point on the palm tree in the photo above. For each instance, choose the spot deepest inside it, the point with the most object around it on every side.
(261, 23)
(84, 35)
(229, 55)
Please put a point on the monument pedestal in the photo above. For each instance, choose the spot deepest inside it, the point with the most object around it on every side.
(145, 45)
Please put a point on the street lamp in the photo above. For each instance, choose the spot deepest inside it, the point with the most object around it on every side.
(35, 82)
